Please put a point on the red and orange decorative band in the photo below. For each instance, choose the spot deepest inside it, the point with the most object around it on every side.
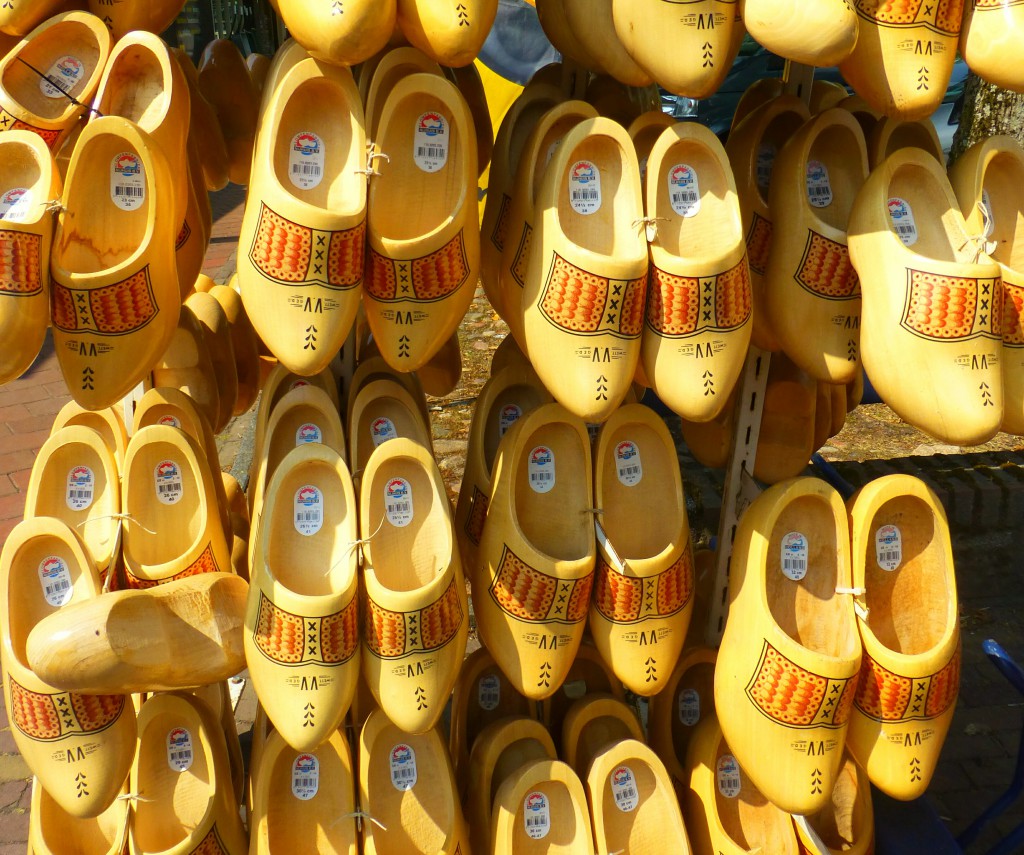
(500, 231)
(826, 270)
(205, 563)
(9, 122)
(947, 308)
(796, 697)
(210, 845)
(47, 717)
(21, 263)
(759, 242)
(292, 254)
(942, 16)
(184, 233)
(888, 697)
(584, 303)
(522, 258)
(391, 635)
(627, 599)
(290, 639)
(425, 279)
(679, 306)
(1013, 313)
(527, 594)
(117, 309)
(477, 514)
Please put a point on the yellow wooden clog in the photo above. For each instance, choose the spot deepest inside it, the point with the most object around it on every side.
(50, 827)
(108, 423)
(391, 67)
(441, 374)
(16, 19)
(371, 367)
(214, 323)
(989, 37)
(225, 82)
(205, 134)
(218, 697)
(591, 724)
(187, 365)
(383, 410)
(786, 439)
(555, 23)
(588, 675)
(450, 32)
(888, 135)
(345, 39)
(644, 130)
(821, 34)
(244, 347)
(259, 67)
(123, 16)
(847, 823)
(593, 27)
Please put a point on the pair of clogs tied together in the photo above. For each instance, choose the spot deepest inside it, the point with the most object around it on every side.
(816, 657)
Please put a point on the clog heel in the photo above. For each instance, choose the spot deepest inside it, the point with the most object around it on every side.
(50, 827)
(591, 724)
(449, 32)
(989, 36)
(822, 34)
(108, 423)
(346, 39)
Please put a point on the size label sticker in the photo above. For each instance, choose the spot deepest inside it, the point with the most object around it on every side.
(903, 222)
(537, 815)
(179, 749)
(169, 489)
(624, 790)
(643, 169)
(306, 160)
(309, 510)
(585, 187)
(81, 488)
(689, 707)
(55, 578)
(986, 207)
(381, 430)
(403, 767)
(683, 190)
(819, 188)
(765, 164)
(62, 77)
(308, 433)
(541, 468)
(170, 421)
(889, 547)
(15, 205)
(551, 152)
(627, 463)
(305, 777)
(509, 415)
(488, 692)
(398, 502)
(127, 181)
(794, 556)
(728, 776)
(430, 142)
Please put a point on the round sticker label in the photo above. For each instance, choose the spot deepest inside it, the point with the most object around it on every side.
(903, 222)
(765, 164)
(306, 160)
(403, 767)
(305, 777)
(15, 205)
(62, 77)
(488, 692)
(819, 188)
(398, 502)
(683, 190)
(889, 547)
(170, 421)
(430, 142)
(541, 468)
(308, 433)
(127, 181)
(381, 430)
(179, 749)
(537, 815)
(55, 578)
(551, 152)
(689, 707)
(627, 463)
(509, 415)
(986, 206)
(169, 489)
(585, 187)
(309, 510)
(624, 789)
(794, 556)
(729, 781)
(81, 487)
(298, 384)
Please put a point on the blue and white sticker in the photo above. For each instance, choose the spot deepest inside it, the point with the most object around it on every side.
(624, 791)
(81, 488)
(381, 430)
(627, 463)
(488, 692)
(537, 815)
(819, 187)
(794, 556)
(889, 547)
(167, 478)
(55, 579)
(63, 76)
(306, 160)
(903, 222)
(684, 190)
(305, 777)
(541, 469)
(509, 415)
(585, 187)
(728, 776)
(308, 433)
(15, 205)
(179, 749)
(431, 140)
(403, 767)
(398, 502)
(309, 510)
(170, 421)
(127, 181)
(766, 153)
(689, 707)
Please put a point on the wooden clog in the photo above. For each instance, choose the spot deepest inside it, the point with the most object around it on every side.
(508, 353)
(643, 584)
(29, 180)
(632, 803)
(787, 668)
(205, 133)
(758, 93)
(50, 827)
(593, 27)
(123, 16)
(17, 19)
(412, 578)
(469, 82)
(537, 541)
(424, 238)
(932, 301)
(383, 410)
(259, 67)
(908, 619)
(115, 297)
(847, 823)
(614, 100)
(279, 382)
(75, 479)
(866, 115)
(543, 138)
(66, 53)
(305, 801)
(372, 366)
(182, 782)
(288, 55)
(688, 48)
(726, 813)
(244, 347)
(345, 39)
(822, 34)
(812, 296)
(588, 675)
(904, 55)
(644, 131)
(225, 82)
(79, 746)
(261, 730)
(989, 36)
(591, 724)
(304, 225)
(699, 308)
(406, 784)
(387, 71)
(218, 697)
(786, 439)
(62, 156)
(553, 20)
(451, 33)
(889, 135)
(217, 334)
(302, 623)
(586, 276)
(826, 94)
(441, 374)
(108, 423)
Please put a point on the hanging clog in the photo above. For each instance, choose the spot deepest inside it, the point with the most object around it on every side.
(224, 81)
(449, 31)
(820, 34)
(989, 38)
(340, 35)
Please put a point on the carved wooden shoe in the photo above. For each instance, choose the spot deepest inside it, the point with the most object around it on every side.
(28, 181)
(383, 410)
(375, 367)
(153, 17)
(553, 20)
(187, 365)
(244, 347)
(79, 746)
(896, 80)
(591, 724)
(217, 335)
(424, 235)
(450, 32)
(304, 223)
(224, 80)
(309, 790)
(587, 274)
(406, 782)
(593, 26)
(788, 665)
(115, 298)
(811, 291)
(75, 479)
(727, 814)
(108, 423)
(302, 626)
(182, 780)
(823, 34)
(788, 422)
(70, 49)
(537, 563)
(698, 323)
(988, 37)
(847, 823)
(346, 39)
(442, 373)
(413, 579)
(588, 675)
(17, 20)
(205, 133)
(932, 302)
(907, 615)
(643, 584)
(888, 135)
(50, 827)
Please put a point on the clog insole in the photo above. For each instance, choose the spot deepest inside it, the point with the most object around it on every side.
(714, 229)
(695, 694)
(750, 820)
(136, 89)
(837, 148)
(525, 397)
(564, 837)
(940, 229)
(1003, 179)
(68, 38)
(609, 230)
(642, 830)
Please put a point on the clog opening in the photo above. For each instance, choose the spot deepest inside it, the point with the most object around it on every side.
(613, 725)
(137, 89)
(565, 834)
(551, 134)
(894, 135)
(492, 688)
(175, 416)
(837, 148)
(841, 824)
(103, 422)
(395, 65)
(98, 834)
(378, 419)
(708, 229)
(515, 755)
(939, 225)
(587, 675)
(694, 699)
(1003, 180)
(776, 132)
(21, 170)
(654, 825)
(67, 51)
(298, 425)
(510, 404)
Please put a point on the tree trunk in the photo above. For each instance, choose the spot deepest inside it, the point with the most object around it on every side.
(987, 111)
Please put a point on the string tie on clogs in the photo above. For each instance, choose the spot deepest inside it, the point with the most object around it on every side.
(359, 816)
(53, 206)
(860, 609)
(649, 225)
(370, 172)
(120, 517)
(983, 245)
(856, 592)
(358, 544)
(135, 797)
